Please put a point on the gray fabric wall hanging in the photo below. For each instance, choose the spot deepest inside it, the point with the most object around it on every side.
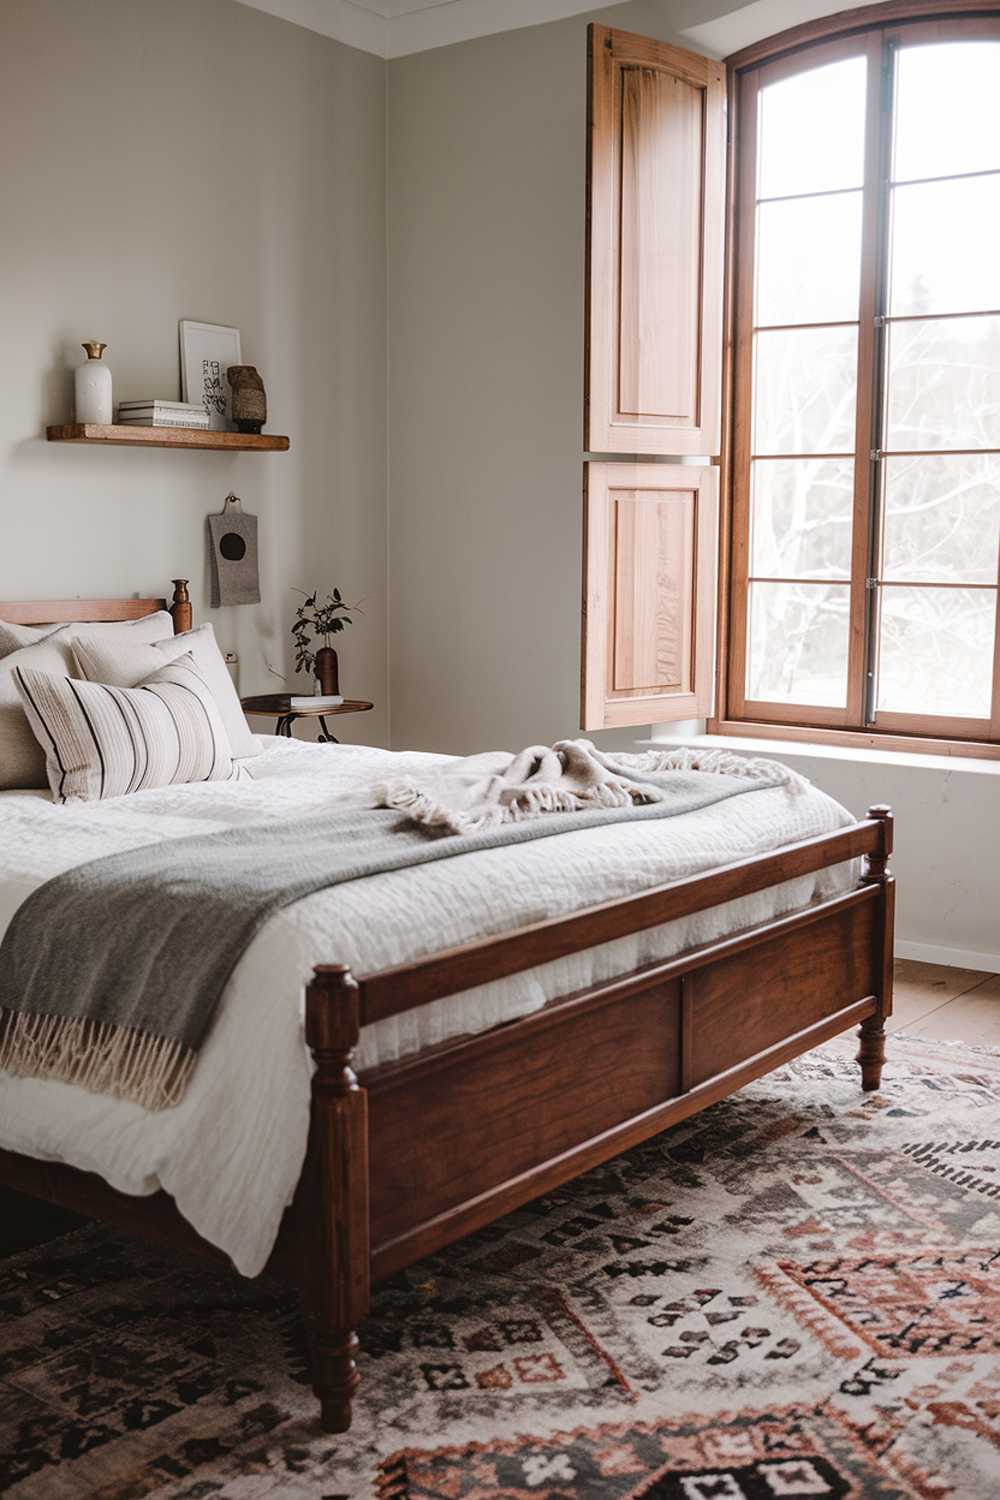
(235, 576)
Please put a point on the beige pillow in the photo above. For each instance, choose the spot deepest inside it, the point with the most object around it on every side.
(13, 637)
(124, 665)
(22, 760)
(105, 742)
(149, 628)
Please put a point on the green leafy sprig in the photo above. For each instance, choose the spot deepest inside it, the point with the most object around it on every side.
(316, 623)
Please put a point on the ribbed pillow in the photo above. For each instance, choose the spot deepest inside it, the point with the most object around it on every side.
(105, 742)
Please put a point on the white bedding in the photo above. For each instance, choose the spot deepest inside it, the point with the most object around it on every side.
(231, 1152)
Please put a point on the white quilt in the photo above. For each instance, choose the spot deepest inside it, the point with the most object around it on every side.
(231, 1152)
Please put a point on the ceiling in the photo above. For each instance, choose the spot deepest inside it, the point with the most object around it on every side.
(395, 28)
(399, 7)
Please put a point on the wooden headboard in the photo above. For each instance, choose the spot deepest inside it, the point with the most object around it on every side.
(89, 611)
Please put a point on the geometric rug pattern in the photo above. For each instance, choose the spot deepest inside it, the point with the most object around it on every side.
(794, 1294)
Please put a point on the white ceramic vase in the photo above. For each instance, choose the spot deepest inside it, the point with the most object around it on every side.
(93, 387)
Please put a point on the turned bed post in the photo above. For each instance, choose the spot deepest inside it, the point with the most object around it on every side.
(334, 1223)
(871, 1034)
(180, 606)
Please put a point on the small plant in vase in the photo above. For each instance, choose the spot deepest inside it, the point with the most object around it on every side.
(315, 622)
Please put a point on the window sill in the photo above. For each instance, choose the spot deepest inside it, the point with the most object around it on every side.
(969, 761)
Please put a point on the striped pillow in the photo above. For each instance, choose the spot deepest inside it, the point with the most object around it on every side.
(104, 741)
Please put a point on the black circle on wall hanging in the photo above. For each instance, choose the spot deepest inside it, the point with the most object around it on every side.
(232, 546)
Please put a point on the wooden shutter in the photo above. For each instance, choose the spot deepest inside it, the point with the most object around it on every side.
(649, 611)
(656, 169)
(654, 379)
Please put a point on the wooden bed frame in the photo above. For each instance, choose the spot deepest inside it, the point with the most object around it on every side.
(415, 1154)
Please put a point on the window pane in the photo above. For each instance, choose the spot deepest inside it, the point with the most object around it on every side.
(797, 648)
(804, 390)
(944, 246)
(944, 384)
(812, 131)
(936, 651)
(802, 511)
(942, 518)
(809, 259)
(947, 109)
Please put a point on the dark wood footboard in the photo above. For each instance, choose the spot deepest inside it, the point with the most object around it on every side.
(594, 1073)
(416, 1154)
(465, 1132)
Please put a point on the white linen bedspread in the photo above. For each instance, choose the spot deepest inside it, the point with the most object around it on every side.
(231, 1152)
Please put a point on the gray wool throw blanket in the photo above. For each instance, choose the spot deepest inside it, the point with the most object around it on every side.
(111, 973)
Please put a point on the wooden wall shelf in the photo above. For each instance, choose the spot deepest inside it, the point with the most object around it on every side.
(166, 437)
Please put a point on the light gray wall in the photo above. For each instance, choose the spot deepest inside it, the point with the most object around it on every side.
(195, 159)
(486, 263)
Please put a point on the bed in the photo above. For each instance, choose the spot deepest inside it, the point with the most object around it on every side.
(451, 1065)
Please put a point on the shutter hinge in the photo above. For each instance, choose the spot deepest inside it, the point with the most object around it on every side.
(876, 455)
(871, 583)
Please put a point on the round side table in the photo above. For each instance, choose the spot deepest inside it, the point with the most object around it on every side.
(278, 706)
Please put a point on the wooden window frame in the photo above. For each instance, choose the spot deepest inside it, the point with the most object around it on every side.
(861, 32)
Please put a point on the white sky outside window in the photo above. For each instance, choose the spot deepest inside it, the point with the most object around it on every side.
(808, 260)
(941, 515)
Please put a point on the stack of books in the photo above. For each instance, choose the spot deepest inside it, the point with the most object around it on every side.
(162, 414)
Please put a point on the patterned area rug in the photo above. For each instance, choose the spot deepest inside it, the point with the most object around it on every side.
(795, 1294)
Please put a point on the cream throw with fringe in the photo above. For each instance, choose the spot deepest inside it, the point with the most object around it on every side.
(483, 791)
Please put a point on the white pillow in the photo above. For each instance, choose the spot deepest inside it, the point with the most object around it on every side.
(22, 760)
(150, 628)
(105, 742)
(124, 665)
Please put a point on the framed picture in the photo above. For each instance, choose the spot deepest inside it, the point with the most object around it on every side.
(207, 351)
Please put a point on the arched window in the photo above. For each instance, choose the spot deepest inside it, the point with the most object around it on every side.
(864, 438)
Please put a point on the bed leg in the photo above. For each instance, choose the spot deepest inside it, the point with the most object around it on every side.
(871, 1052)
(871, 1036)
(335, 1376)
(335, 1265)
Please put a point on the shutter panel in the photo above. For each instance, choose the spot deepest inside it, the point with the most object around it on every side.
(656, 171)
(650, 543)
(656, 168)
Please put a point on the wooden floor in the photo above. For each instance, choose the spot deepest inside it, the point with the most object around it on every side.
(954, 1005)
(949, 1004)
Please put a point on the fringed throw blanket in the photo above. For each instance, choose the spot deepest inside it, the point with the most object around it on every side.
(483, 791)
(111, 974)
